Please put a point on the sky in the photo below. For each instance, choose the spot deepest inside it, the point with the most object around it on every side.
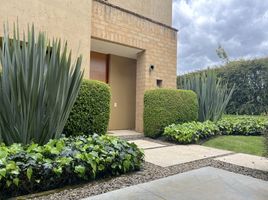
(239, 26)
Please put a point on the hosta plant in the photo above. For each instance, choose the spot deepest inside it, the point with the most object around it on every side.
(38, 87)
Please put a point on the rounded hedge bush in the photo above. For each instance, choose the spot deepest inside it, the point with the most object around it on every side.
(91, 111)
(163, 107)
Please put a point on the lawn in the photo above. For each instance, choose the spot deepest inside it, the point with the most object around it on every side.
(240, 144)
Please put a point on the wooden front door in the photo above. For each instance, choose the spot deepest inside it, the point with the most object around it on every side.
(99, 66)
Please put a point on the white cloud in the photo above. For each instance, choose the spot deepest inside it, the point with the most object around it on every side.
(240, 26)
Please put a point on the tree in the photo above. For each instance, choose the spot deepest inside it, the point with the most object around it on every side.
(222, 54)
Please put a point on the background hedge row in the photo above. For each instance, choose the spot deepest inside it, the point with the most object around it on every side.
(163, 107)
(251, 85)
(91, 111)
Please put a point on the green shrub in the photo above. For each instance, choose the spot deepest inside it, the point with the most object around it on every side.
(190, 132)
(33, 168)
(167, 106)
(91, 111)
(38, 87)
(250, 78)
(193, 132)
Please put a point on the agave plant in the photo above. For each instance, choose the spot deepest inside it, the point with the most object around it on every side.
(38, 87)
(213, 94)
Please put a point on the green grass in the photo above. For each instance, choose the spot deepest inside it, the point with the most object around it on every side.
(240, 144)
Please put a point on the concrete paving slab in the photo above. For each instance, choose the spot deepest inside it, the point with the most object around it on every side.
(145, 144)
(246, 160)
(129, 193)
(173, 155)
(206, 183)
(124, 133)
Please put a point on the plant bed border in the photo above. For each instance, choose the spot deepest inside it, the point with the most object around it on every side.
(148, 173)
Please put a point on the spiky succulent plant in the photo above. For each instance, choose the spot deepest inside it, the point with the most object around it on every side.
(38, 87)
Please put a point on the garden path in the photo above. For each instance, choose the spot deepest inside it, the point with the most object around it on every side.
(205, 183)
(166, 154)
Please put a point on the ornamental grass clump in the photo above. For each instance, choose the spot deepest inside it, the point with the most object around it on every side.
(38, 87)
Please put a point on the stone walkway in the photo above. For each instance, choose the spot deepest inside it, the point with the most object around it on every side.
(205, 183)
(166, 154)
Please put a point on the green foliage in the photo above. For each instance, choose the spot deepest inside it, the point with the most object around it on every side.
(251, 80)
(166, 106)
(32, 168)
(213, 95)
(91, 111)
(190, 132)
(221, 53)
(242, 125)
(38, 88)
(193, 132)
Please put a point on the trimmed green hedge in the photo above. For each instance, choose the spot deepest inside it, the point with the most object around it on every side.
(166, 106)
(250, 78)
(193, 132)
(65, 161)
(91, 111)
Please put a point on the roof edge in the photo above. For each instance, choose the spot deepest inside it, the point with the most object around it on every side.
(137, 15)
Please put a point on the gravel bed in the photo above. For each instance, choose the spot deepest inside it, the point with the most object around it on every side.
(259, 174)
(148, 173)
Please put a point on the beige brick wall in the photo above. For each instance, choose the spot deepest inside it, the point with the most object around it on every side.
(66, 19)
(159, 44)
(159, 10)
(71, 21)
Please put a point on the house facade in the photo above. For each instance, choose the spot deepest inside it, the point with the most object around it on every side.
(128, 44)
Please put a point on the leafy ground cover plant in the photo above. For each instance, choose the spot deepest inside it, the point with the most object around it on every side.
(32, 168)
(242, 125)
(190, 132)
(193, 132)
